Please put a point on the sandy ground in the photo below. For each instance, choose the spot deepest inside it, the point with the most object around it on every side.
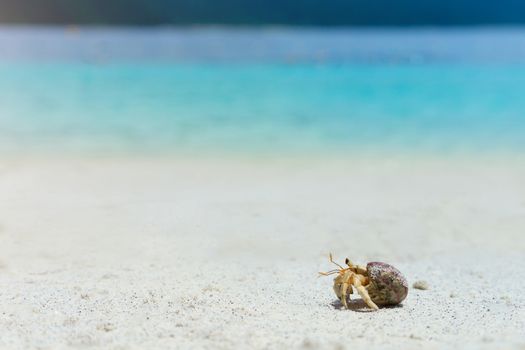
(180, 252)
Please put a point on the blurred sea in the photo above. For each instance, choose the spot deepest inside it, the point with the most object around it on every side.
(261, 90)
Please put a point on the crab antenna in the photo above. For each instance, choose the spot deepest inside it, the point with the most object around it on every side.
(333, 262)
(328, 273)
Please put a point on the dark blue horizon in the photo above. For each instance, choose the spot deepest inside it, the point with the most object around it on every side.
(260, 12)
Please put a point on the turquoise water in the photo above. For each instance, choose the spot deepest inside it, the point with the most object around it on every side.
(128, 90)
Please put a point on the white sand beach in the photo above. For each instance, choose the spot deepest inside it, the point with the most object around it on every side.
(223, 253)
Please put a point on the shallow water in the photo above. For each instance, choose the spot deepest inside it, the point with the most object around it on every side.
(306, 90)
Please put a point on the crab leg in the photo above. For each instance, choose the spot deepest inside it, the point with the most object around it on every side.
(344, 288)
(364, 294)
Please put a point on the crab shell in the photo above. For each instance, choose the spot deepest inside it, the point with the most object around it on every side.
(387, 285)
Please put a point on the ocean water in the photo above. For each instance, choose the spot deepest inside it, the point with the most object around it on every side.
(261, 90)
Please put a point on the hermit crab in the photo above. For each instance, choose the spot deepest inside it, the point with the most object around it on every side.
(379, 284)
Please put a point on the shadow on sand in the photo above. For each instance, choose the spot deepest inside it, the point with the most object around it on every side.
(358, 305)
